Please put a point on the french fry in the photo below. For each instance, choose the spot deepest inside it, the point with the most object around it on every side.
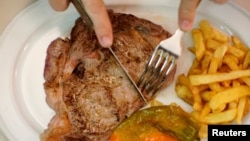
(197, 105)
(212, 44)
(219, 36)
(194, 68)
(233, 104)
(246, 80)
(235, 83)
(205, 111)
(239, 43)
(240, 110)
(246, 61)
(217, 77)
(206, 29)
(217, 84)
(207, 95)
(203, 133)
(184, 93)
(247, 109)
(231, 63)
(206, 60)
(196, 115)
(233, 58)
(225, 116)
(213, 67)
(182, 79)
(198, 44)
(219, 109)
(219, 53)
(236, 52)
(228, 95)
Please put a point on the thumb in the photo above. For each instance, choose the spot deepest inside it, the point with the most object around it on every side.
(187, 11)
(59, 5)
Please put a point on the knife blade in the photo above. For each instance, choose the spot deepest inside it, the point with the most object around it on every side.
(85, 17)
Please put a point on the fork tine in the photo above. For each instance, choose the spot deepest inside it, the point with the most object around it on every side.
(162, 74)
(160, 82)
(155, 71)
(160, 65)
(150, 67)
(153, 67)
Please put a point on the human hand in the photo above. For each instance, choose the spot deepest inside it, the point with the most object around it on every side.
(97, 12)
(187, 11)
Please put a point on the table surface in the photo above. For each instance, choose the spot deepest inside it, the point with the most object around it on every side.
(7, 14)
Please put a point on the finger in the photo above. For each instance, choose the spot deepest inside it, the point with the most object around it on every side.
(220, 1)
(59, 5)
(187, 10)
(98, 14)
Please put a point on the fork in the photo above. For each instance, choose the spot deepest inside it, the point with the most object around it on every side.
(159, 67)
(85, 17)
(161, 64)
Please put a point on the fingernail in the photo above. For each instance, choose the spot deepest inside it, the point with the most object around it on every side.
(106, 42)
(185, 25)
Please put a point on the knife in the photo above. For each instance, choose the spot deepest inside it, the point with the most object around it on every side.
(85, 17)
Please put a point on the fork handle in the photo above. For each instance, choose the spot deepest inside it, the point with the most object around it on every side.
(174, 43)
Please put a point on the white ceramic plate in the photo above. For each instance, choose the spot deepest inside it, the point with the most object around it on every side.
(23, 44)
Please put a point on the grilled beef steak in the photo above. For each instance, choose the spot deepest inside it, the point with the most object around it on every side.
(85, 86)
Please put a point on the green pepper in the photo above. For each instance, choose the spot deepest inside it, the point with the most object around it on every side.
(167, 120)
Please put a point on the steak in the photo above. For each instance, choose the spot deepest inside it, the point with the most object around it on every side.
(85, 86)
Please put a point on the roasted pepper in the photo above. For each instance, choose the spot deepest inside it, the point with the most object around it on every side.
(158, 123)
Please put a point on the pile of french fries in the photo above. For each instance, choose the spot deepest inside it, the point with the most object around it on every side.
(217, 84)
